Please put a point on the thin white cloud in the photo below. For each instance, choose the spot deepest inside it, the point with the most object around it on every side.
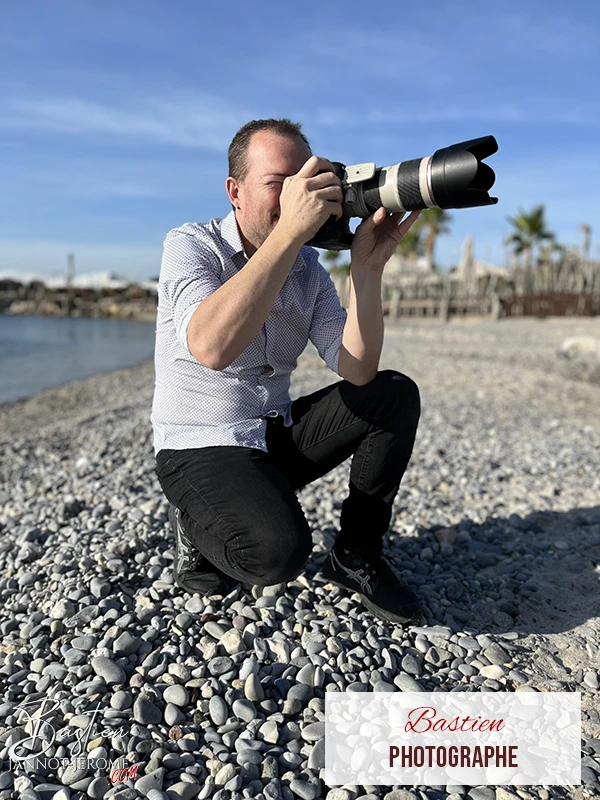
(383, 53)
(200, 121)
(82, 184)
(547, 32)
(112, 175)
(188, 119)
(457, 47)
(306, 58)
(503, 113)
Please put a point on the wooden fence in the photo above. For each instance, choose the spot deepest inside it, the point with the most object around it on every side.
(570, 287)
(560, 304)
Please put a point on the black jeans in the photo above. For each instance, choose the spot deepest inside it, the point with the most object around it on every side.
(239, 503)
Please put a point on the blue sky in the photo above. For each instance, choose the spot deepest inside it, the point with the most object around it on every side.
(115, 117)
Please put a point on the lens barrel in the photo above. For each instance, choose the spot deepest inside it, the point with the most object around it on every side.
(454, 177)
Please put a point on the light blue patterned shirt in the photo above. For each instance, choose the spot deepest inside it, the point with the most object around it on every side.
(195, 406)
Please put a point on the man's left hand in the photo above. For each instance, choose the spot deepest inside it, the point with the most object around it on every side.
(377, 237)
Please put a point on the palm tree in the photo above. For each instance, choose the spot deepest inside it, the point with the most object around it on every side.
(335, 268)
(411, 243)
(550, 250)
(332, 256)
(434, 222)
(587, 237)
(530, 231)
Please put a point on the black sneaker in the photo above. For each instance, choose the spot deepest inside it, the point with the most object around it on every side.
(191, 570)
(380, 590)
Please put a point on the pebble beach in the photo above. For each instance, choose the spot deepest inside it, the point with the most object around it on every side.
(496, 527)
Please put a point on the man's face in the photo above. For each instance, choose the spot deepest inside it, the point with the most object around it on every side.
(271, 158)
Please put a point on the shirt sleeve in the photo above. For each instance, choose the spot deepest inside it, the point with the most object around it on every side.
(328, 321)
(190, 271)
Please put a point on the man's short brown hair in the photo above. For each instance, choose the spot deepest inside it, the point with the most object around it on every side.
(238, 149)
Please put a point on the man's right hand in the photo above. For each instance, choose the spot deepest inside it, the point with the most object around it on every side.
(307, 200)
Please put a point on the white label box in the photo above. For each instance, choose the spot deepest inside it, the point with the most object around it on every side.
(472, 738)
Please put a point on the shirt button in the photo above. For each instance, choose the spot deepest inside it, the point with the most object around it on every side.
(267, 368)
(271, 414)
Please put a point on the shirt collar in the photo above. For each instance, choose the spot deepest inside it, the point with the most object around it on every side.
(230, 235)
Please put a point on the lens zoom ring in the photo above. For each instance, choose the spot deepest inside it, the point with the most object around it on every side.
(408, 185)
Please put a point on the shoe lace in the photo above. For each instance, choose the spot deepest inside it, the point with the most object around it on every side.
(373, 563)
(388, 563)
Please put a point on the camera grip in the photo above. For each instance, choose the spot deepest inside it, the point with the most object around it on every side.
(334, 234)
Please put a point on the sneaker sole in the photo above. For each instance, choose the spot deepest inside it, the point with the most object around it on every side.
(381, 612)
(374, 609)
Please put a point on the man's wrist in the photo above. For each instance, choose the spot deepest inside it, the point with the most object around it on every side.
(286, 239)
(360, 268)
(365, 276)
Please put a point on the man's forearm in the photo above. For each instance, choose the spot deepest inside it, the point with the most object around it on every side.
(363, 333)
(227, 321)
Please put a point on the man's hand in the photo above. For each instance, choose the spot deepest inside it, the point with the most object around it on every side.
(377, 237)
(307, 200)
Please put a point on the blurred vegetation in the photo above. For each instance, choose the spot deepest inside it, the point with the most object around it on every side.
(420, 240)
(530, 240)
(335, 265)
(531, 237)
(529, 231)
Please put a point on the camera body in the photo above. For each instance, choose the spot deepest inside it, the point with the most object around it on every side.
(453, 177)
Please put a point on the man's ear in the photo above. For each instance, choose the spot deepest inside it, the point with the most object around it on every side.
(232, 189)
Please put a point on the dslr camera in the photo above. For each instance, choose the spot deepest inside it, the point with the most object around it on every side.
(453, 177)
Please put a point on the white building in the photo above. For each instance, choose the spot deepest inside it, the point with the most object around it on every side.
(89, 280)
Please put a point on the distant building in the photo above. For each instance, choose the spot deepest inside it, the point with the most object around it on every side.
(400, 265)
(89, 280)
(20, 276)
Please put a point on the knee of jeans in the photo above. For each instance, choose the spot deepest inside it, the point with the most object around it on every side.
(279, 560)
(402, 388)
